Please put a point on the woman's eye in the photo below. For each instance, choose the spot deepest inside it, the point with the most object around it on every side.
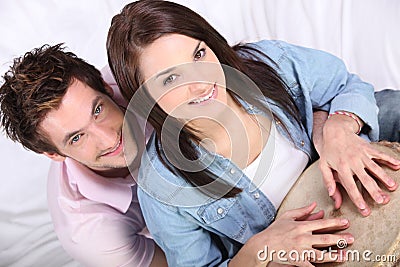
(75, 139)
(200, 54)
(98, 110)
(170, 79)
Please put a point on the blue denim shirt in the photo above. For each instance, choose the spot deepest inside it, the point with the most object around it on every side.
(195, 230)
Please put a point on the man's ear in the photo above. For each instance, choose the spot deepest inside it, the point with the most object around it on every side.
(54, 156)
(108, 89)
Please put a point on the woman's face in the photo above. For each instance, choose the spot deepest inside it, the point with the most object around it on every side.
(184, 76)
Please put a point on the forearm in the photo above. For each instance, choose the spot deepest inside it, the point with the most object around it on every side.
(319, 119)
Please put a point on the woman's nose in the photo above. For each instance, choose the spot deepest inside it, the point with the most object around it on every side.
(198, 89)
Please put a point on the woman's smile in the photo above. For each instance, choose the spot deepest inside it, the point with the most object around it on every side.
(212, 94)
(183, 73)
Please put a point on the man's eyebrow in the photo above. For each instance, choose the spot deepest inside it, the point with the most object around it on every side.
(70, 135)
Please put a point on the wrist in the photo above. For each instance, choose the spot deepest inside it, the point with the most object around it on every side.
(353, 121)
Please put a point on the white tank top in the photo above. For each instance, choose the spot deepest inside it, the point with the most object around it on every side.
(277, 167)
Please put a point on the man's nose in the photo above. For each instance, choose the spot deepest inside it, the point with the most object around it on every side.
(106, 137)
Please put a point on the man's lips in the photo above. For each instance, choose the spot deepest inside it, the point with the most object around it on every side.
(117, 148)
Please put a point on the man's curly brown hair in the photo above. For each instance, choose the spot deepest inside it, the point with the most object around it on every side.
(34, 85)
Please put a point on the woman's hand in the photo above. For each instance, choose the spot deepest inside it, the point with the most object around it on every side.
(275, 264)
(343, 155)
(296, 232)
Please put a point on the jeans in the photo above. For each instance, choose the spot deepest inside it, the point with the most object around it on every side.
(388, 101)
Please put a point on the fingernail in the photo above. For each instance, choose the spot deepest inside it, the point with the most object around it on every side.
(344, 221)
(361, 206)
(365, 212)
(386, 198)
(379, 199)
(391, 182)
(350, 239)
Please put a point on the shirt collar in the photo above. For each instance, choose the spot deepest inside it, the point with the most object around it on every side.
(115, 192)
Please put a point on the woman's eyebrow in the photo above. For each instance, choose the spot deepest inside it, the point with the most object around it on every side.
(173, 68)
(165, 72)
(197, 48)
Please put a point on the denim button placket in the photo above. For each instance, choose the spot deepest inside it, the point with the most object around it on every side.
(220, 210)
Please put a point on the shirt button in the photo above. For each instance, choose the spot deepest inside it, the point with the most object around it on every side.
(278, 122)
(220, 210)
(251, 107)
(302, 143)
(232, 171)
(256, 195)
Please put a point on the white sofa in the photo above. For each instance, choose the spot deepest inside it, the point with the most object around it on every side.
(364, 33)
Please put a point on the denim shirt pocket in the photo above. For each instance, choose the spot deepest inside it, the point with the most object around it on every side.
(221, 217)
(216, 210)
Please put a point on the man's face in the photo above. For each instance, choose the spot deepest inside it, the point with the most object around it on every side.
(88, 128)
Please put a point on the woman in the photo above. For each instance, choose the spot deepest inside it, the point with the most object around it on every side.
(214, 203)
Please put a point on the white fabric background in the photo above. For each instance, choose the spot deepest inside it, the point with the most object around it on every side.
(364, 33)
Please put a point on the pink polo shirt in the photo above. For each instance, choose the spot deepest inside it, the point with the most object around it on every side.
(98, 220)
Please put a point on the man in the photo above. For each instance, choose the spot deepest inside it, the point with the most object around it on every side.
(54, 103)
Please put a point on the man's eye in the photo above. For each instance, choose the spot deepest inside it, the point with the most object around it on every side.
(75, 139)
(200, 54)
(170, 79)
(98, 110)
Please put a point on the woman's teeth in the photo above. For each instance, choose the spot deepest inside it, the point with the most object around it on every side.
(204, 98)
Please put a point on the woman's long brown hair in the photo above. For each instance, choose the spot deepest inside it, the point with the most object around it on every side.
(141, 23)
